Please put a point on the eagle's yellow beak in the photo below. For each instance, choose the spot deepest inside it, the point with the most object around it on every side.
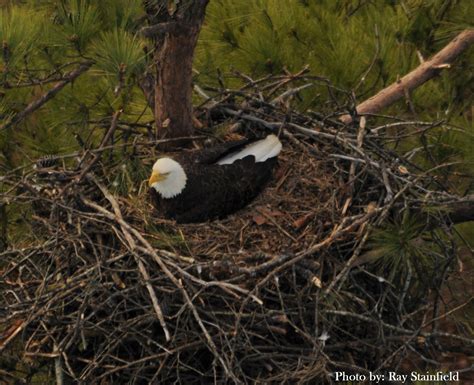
(155, 177)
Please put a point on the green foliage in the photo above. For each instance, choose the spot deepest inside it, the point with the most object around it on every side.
(445, 147)
(124, 14)
(339, 40)
(19, 32)
(47, 39)
(266, 36)
(119, 52)
(80, 22)
(403, 249)
(37, 139)
(129, 175)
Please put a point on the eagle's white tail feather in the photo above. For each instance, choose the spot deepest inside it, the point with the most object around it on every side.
(275, 150)
(261, 150)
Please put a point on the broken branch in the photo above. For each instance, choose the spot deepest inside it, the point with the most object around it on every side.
(424, 72)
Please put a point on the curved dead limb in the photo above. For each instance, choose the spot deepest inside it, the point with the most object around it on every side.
(424, 72)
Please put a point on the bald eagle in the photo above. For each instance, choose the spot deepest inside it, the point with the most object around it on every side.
(212, 183)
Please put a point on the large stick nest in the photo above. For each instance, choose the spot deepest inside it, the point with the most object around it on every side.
(96, 288)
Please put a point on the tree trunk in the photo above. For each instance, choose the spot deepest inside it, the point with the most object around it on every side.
(175, 32)
(173, 85)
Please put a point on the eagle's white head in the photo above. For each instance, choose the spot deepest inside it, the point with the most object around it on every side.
(167, 178)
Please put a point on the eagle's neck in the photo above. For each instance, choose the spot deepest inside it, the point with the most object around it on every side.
(174, 183)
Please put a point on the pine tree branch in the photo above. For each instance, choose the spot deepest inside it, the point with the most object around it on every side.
(459, 211)
(424, 72)
(36, 104)
(435, 214)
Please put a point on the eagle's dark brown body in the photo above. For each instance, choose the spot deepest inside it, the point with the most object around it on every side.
(215, 190)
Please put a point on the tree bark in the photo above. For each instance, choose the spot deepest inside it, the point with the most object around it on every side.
(175, 32)
(415, 78)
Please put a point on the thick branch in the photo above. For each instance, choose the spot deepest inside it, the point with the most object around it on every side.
(34, 105)
(415, 78)
(460, 211)
(456, 211)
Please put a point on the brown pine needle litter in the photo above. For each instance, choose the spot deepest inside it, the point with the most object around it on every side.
(97, 289)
